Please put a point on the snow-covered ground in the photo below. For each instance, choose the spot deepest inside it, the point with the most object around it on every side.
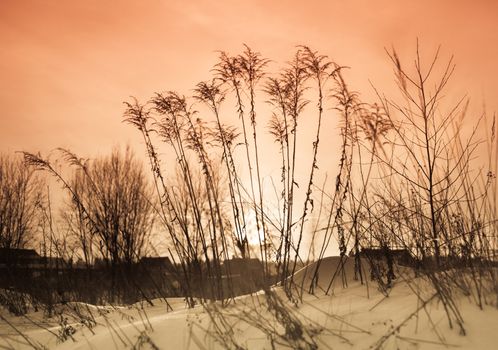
(352, 317)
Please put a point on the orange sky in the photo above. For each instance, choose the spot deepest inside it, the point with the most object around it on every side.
(66, 66)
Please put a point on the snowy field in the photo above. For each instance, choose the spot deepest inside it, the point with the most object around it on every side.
(353, 317)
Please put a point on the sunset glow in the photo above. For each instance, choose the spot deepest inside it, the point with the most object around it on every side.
(248, 174)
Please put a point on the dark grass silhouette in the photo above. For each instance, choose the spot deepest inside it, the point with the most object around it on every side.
(404, 206)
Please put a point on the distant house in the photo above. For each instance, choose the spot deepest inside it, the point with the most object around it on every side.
(19, 257)
(241, 266)
(245, 275)
(28, 258)
(157, 274)
(156, 263)
(401, 256)
(52, 262)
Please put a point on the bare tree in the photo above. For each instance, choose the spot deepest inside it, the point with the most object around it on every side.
(110, 202)
(114, 207)
(431, 161)
(19, 195)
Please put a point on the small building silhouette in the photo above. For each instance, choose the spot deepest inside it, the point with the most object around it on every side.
(156, 263)
(401, 256)
(19, 257)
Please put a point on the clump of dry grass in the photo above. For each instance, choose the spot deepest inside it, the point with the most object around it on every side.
(404, 181)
